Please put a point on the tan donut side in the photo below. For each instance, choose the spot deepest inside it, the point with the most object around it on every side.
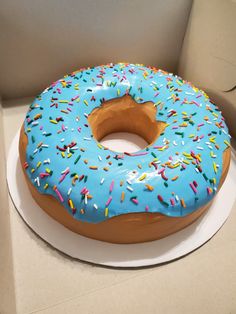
(126, 228)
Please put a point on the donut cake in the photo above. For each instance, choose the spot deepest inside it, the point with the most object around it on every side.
(122, 197)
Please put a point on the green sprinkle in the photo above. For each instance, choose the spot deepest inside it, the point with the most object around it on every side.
(77, 159)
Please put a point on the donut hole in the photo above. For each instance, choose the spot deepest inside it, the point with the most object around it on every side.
(124, 115)
(124, 142)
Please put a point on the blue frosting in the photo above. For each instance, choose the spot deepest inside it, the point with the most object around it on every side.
(179, 173)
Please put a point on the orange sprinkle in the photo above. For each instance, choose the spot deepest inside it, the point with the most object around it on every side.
(106, 168)
(122, 196)
(149, 187)
(121, 183)
(183, 203)
(86, 161)
(93, 167)
(174, 178)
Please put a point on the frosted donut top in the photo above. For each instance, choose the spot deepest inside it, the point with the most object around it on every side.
(175, 176)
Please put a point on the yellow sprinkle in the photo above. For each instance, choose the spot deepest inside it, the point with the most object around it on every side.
(143, 176)
(39, 164)
(48, 170)
(186, 162)
(32, 170)
(53, 121)
(71, 204)
(227, 143)
(63, 154)
(214, 167)
(118, 92)
(99, 145)
(63, 101)
(212, 139)
(45, 186)
(106, 211)
(85, 102)
(69, 155)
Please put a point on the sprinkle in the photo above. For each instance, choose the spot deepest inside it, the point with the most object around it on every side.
(183, 203)
(69, 191)
(129, 188)
(58, 194)
(143, 176)
(149, 187)
(93, 167)
(45, 186)
(77, 159)
(134, 200)
(122, 196)
(214, 167)
(95, 206)
(109, 201)
(106, 212)
(193, 187)
(102, 180)
(111, 186)
(174, 178)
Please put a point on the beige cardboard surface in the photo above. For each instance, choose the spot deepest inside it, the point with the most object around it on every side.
(45, 281)
(208, 57)
(44, 40)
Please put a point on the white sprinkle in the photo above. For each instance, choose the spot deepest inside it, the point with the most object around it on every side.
(47, 161)
(187, 93)
(44, 145)
(86, 199)
(209, 122)
(95, 206)
(197, 170)
(101, 182)
(86, 115)
(174, 142)
(35, 123)
(65, 170)
(74, 148)
(199, 147)
(182, 142)
(99, 157)
(68, 150)
(37, 180)
(69, 191)
(62, 140)
(87, 138)
(129, 188)
(128, 181)
(35, 151)
(177, 198)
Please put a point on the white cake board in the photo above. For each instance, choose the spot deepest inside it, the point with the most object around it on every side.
(117, 255)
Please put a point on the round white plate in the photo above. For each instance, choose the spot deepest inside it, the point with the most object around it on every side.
(117, 255)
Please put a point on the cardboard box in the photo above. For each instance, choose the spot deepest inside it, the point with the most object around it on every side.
(41, 42)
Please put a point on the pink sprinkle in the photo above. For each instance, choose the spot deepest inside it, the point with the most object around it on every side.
(63, 128)
(42, 175)
(64, 175)
(172, 201)
(68, 109)
(109, 201)
(146, 208)
(201, 124)
(156, 94)
(84, 191)
(59, 195)
(161, 170)
(79, 129)
(111, 186)
(135, 201)
(41, 127)
(74, 98)
(175, 127)
(193, 188)
(195, 103)
(139, 154)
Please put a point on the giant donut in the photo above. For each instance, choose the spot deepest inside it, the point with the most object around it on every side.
(122, 197)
